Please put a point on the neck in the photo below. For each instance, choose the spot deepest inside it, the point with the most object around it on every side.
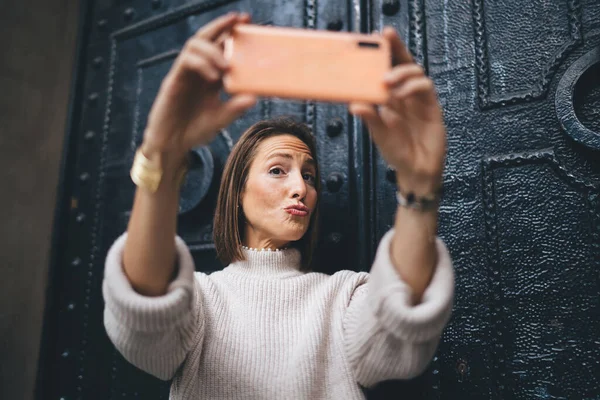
(268, 264)
(252, 240)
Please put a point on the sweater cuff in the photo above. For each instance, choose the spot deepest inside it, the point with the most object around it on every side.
(391, 297)
(145, 313)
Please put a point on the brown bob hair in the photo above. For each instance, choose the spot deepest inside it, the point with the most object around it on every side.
(229, 220)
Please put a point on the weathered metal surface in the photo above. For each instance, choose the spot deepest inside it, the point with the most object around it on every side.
(521, 211)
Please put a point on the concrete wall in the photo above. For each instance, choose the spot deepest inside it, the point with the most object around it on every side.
(37, 48)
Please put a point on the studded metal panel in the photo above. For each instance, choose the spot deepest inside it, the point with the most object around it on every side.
(521, 213)
(519, 84)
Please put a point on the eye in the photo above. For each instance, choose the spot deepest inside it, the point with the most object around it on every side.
(276, 171)
(310, 178)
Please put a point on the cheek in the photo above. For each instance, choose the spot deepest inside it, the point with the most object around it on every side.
(263, 193)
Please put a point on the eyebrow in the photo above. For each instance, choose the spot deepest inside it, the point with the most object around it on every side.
(288, 156)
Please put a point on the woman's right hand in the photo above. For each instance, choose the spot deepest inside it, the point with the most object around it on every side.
(187, 111)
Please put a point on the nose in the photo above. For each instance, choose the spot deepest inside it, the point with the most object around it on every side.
(297, 186)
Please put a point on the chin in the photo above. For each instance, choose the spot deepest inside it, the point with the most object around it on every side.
(293, 235)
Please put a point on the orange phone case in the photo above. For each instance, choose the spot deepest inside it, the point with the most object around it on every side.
(307, 64)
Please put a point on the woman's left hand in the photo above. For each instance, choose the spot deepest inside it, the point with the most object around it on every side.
(409, 129)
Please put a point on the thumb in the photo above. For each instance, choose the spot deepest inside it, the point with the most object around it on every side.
(368, 113)
(234, 108)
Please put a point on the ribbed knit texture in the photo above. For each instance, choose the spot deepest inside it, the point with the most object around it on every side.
(262, 329)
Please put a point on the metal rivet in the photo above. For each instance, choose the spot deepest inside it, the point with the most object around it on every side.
(335, 25)
(129, 14)
(93, 98)
(102, 24)
(156, 4)
(390, 7)
(89, 135)
(334, 237)
(80, 218)
(97, 63)
(334, 127)
(334, 182)
(76, 261)
(84, 177)
(461, 367)
(71, 306)
(390, 175)
(65, 354)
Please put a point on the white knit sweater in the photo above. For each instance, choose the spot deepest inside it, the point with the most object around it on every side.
(262, 329)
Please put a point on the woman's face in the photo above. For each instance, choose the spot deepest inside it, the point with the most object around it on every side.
(280, 195)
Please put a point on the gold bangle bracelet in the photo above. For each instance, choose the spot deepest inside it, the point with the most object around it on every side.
(146, 174)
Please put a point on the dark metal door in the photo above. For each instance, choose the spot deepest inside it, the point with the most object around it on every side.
(521, 211)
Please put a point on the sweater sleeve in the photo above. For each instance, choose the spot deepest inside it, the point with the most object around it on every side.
(385, 336)
(153, 333)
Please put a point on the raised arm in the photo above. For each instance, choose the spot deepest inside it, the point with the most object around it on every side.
(394, 322)
(387, 336)
(410, 134)
(153, 311)
(187, 113)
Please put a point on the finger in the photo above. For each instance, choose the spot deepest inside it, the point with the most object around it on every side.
(214, 28)
(220, 41)
(397, 105)
(418, 86)
(400, 54)
(389, 116)
(393, 121)
(209, 51)
(243, 18)
(402, 73)
(201, 66)
(368, 113)
(234, 108)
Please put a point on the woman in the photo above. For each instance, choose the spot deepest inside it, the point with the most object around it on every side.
(265, 327)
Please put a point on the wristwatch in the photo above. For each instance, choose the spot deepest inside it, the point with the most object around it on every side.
(423, 203)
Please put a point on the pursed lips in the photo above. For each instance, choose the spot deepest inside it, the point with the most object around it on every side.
(298, 210)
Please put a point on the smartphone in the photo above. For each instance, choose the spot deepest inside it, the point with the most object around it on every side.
(307, 64)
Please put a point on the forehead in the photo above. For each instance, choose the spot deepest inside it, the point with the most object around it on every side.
(283, 143)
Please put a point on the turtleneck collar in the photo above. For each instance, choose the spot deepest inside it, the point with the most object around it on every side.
(268, 264)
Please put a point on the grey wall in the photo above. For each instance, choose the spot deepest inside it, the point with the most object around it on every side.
(37, 46)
